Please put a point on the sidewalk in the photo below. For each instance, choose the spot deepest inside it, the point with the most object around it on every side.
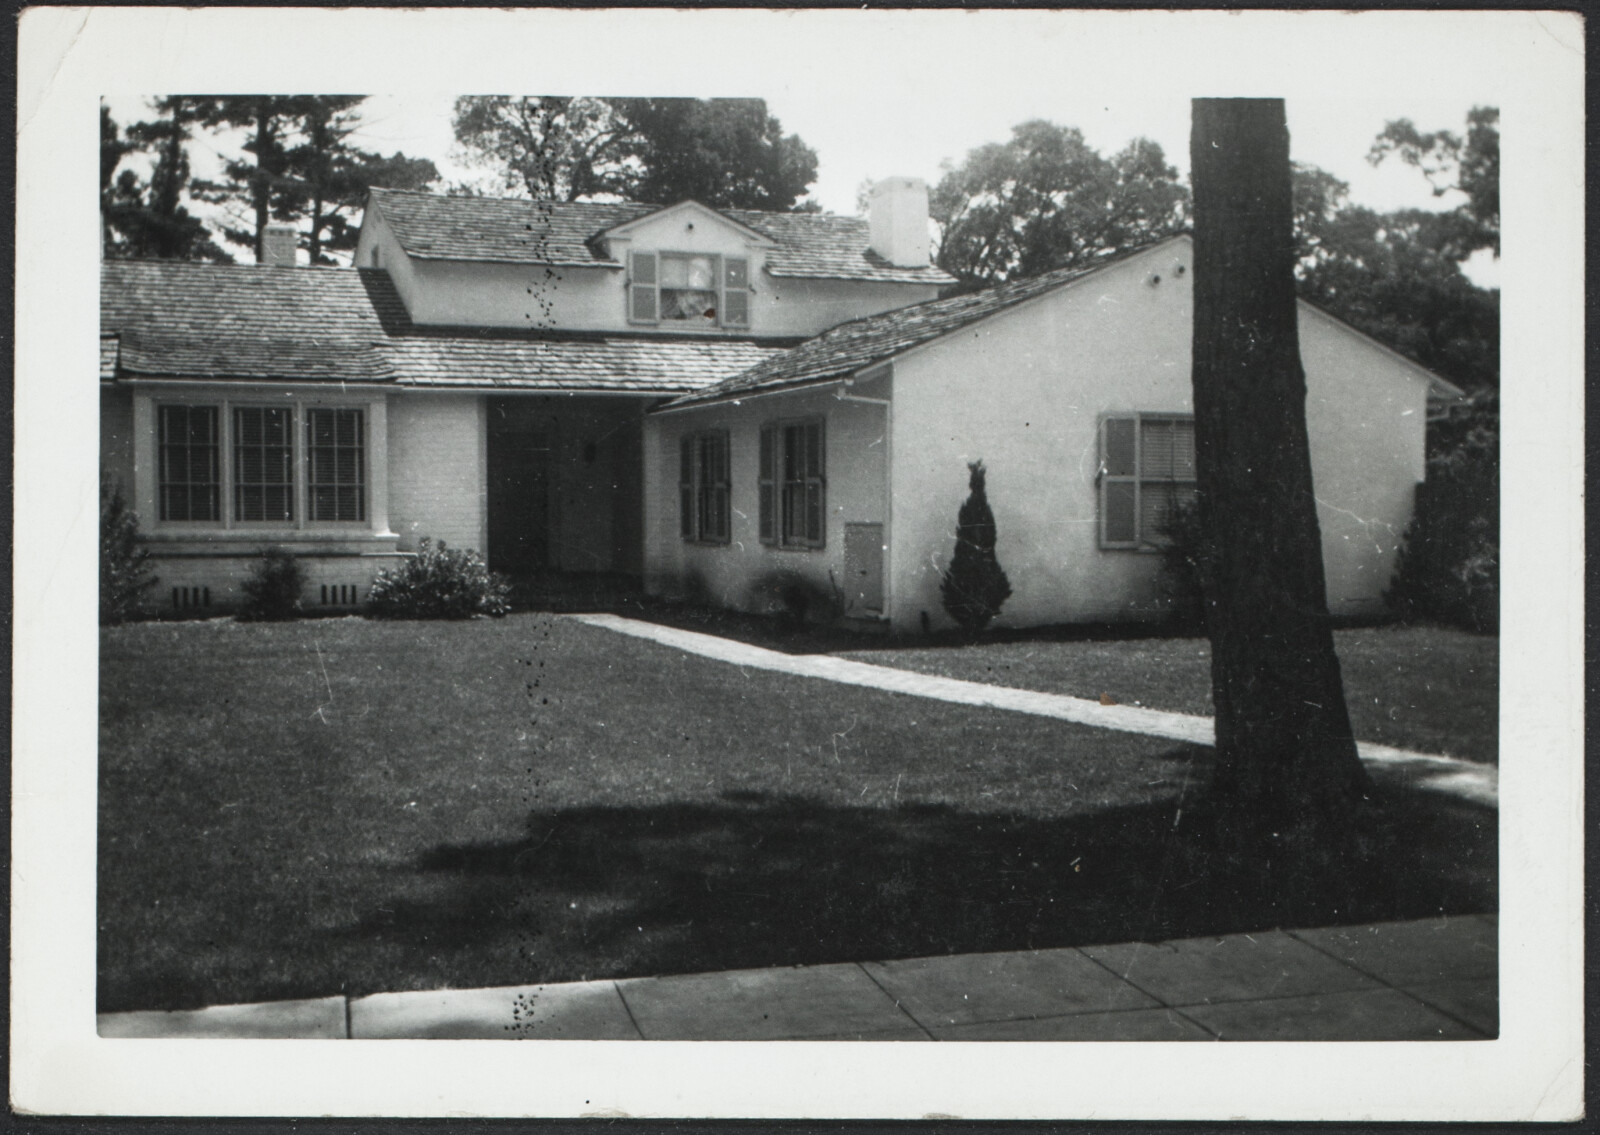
(1427, 980)
(1469, 780)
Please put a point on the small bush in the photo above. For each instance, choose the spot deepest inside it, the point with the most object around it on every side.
(798, 600)
(272, 593)
(124, 563)
(1186, 565)
(974, 585)
(1449, 566)
(440, 583)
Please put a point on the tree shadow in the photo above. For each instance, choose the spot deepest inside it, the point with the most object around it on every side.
(756, 879)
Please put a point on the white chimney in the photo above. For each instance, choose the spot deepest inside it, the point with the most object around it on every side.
(898, 212)
(278, 245)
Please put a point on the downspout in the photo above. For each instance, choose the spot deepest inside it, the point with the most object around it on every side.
(842, 394)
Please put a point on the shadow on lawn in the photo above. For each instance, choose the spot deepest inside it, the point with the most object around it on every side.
(758, 880)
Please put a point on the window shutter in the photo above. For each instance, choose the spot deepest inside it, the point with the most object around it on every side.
(736, 293)
(766, 483)
(642, 303)
(686, 487)
(1119, 485)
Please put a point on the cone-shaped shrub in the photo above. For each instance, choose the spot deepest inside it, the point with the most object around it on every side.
(124, 563)
(974, 585)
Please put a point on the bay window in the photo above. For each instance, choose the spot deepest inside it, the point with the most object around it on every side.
(190, 464)
(235, 464)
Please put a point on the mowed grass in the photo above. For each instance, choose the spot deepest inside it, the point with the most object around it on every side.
(309, 808)
(1425, 688)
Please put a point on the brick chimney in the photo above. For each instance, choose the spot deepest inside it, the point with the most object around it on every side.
(278, 245)
(898, 213)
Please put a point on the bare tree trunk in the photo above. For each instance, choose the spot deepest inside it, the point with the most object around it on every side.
(1284, 749)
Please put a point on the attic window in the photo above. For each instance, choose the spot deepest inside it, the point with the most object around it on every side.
(689, 289)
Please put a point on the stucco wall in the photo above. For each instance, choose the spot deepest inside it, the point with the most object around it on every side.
(461, 293)
(746, 574)
(1025, 391)
(436, 462)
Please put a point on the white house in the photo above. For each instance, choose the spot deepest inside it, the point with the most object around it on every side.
(842, 462)
(481, 377)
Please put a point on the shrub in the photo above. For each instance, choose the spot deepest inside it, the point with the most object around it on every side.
(974, 585)
(1186, 564)
(272, 592)
(1449, 566)
(440, 583)
(124, 563)
(799, 601)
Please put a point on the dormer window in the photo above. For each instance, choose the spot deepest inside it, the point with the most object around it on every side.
(683, 289)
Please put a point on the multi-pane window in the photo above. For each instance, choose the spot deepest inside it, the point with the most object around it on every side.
(190, 480)
(1146, 471)
(704, 487)
(263, 464)
(689, 289)
(335, 465)
(793, 489)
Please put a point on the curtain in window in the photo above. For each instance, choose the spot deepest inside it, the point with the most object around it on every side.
(689, 287)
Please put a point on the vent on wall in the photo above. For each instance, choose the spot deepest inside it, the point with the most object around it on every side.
(340, 595)
(189, 598)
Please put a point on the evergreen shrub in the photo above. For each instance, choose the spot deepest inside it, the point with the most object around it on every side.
(124, 563)
(440, 583)
(273, 590)
(974, 586)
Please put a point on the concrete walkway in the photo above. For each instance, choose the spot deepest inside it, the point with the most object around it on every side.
(1475, 782)
(1427, 980)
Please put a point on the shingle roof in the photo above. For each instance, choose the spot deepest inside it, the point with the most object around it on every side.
(205, 321)
(108, 357)
(808, 245)
(860, 343)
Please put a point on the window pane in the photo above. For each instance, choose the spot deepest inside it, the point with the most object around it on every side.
(1118, 455)
(1121, 524)
(695, 272)
(1155, 508)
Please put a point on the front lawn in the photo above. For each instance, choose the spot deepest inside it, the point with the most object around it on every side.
(343, 805)
(1429, 689)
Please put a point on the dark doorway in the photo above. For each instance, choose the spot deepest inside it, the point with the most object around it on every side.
(519, 500)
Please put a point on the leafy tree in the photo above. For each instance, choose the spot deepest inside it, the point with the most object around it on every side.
(974, 586)
(726, 153)
(1285, 753)
(1467, 165)
(146, 218)
(1046, 199)
(562, 149)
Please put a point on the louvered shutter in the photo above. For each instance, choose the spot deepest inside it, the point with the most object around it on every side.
(686, 487)
(736, 292)
(1119, 483)
(767, 483)
(642, 293)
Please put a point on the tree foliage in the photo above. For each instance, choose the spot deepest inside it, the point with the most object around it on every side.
(974, 585)
(145, 217)
(1046, 199)
(300, 167)
(726, 153)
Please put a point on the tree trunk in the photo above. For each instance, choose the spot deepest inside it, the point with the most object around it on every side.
(1285, 754)
(262, 189)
